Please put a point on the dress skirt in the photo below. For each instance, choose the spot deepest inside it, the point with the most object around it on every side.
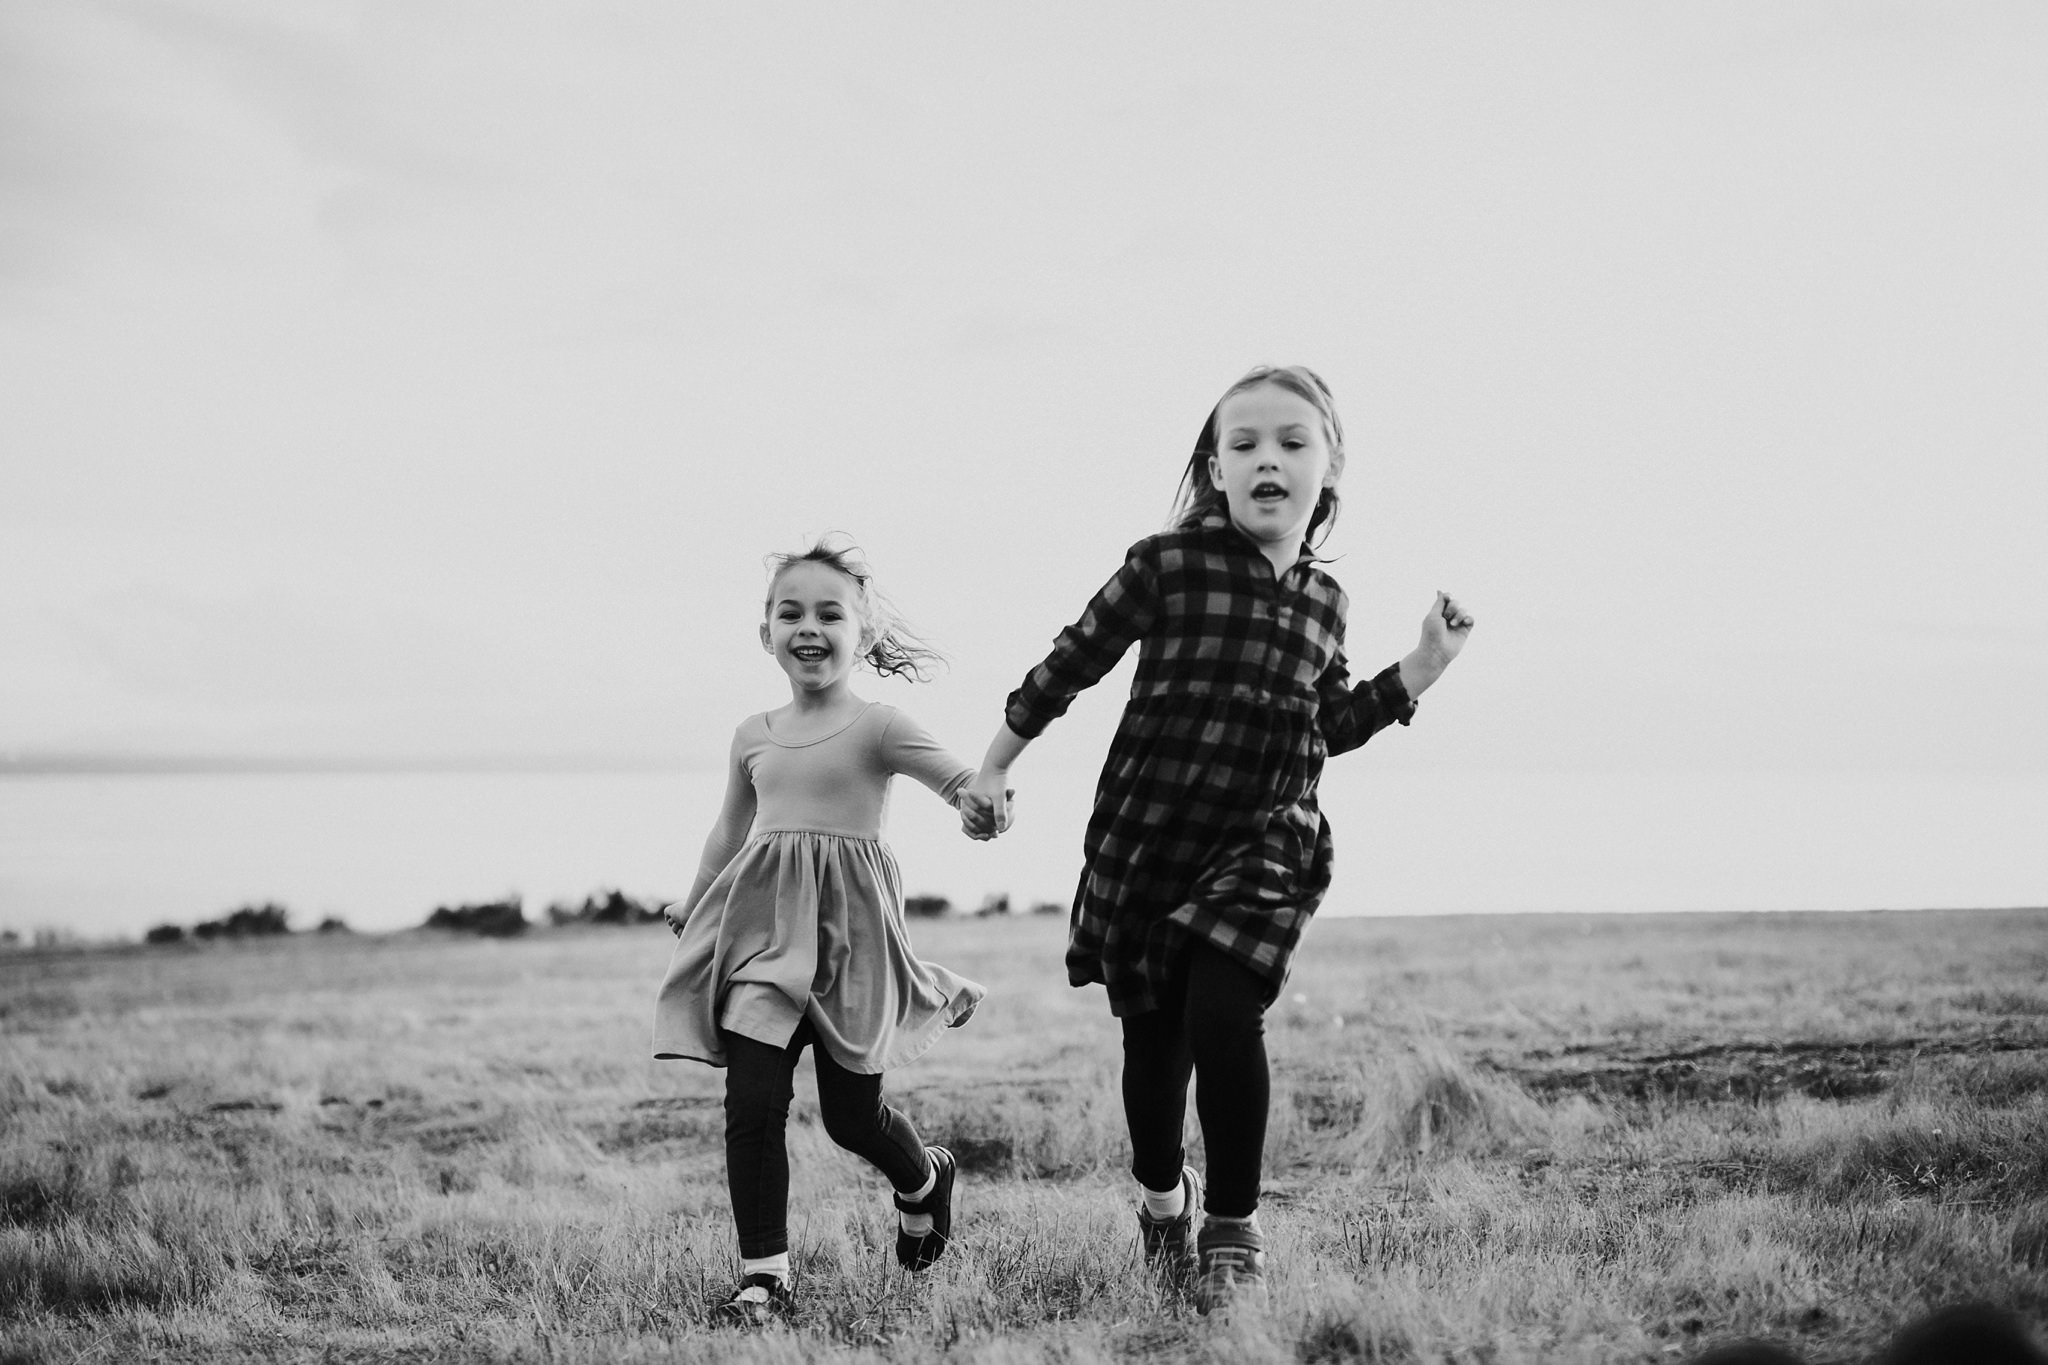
(802, 924)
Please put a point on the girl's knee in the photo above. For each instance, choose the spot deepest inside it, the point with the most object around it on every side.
(853, 1128)
(755, 1125)
(756, 1106)
(1226, 1032)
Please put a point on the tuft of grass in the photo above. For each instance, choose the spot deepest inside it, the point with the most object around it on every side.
(2028, 1238)
(1439, 1104)
(1926, 1148)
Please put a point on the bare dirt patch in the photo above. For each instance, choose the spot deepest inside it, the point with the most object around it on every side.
(660, 1123)
(1746, 1072)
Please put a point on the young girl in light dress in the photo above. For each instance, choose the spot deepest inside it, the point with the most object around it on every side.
(793, 934)
(1206, 853)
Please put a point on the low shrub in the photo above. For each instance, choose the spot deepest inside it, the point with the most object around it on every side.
(250, 921)
(491, 919)
(606, 907)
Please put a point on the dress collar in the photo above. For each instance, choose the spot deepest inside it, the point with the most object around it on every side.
(1216, 521)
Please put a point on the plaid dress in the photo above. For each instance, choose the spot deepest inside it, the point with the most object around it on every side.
(1205, 823)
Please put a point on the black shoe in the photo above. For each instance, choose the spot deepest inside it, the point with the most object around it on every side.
(760, 1301)
(1233, 1267)
(915, 1253)
(1169, 1243)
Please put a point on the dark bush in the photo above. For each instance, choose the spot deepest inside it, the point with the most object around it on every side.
(606, 907)
(492, 919)
(165, 933)
(251, 921)
(334, 924)
(993, 904)
(1049, 908)
(931, 907)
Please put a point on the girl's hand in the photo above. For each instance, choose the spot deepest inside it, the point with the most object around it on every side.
(977, 817)
(985, 804)
(978, 814)
(1446, 628)
(672, 912)
(1444, 632)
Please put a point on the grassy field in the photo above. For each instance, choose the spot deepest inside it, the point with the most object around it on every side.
(1493, 1140)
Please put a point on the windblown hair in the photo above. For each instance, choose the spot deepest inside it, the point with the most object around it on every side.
(1199, 495)
(888, 644)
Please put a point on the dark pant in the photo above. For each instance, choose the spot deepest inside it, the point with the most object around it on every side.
(759, 1083)
(1211, 1024)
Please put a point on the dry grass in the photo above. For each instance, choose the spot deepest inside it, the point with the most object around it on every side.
(1501, 1140)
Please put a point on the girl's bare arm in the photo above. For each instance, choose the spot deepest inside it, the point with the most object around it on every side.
(728, 835)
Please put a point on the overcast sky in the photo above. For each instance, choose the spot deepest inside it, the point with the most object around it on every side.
(420, 380)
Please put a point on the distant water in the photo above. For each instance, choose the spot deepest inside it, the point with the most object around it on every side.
(112, 855)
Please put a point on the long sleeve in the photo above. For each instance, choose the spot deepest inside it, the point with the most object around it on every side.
(908, 748)
(1115, 619)
(1349, 715)
(735, 822)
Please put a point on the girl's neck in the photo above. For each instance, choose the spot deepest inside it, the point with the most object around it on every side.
(824, 703)
(1282, 553)
(1281, 556)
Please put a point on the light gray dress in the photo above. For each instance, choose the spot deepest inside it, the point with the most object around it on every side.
(798, 908)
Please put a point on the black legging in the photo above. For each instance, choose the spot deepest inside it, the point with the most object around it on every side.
(1211, 1024)
(759, 1083)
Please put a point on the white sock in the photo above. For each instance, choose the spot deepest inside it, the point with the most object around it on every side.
(1171, 1204)
(776, 1265)
(918, 1224)
(922, 1192)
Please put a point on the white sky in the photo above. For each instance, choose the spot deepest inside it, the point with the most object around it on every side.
(425, 379)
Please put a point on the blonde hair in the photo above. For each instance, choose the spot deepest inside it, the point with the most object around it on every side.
(888, 644)
(1199, 495)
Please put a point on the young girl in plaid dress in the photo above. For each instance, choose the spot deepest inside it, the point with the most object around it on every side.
(1206, 853)
(793, 934)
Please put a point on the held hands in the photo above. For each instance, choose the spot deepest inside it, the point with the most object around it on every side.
(984, 805)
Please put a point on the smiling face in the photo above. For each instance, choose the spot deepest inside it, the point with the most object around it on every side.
(814, 626)
(1272, 462)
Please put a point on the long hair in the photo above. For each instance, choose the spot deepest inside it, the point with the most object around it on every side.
(1199, 495)
(888, 644)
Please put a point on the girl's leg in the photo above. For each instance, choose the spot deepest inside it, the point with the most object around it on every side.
(857, 1119)
(758, 1085)
(1225, 1025)
(1157, 1064)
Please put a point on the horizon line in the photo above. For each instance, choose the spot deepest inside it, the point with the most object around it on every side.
(89, 763)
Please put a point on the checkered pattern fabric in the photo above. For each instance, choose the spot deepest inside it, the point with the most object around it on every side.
(1205, 822)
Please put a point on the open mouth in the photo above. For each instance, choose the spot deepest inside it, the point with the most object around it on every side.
(811, 654)
(1268, 492)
